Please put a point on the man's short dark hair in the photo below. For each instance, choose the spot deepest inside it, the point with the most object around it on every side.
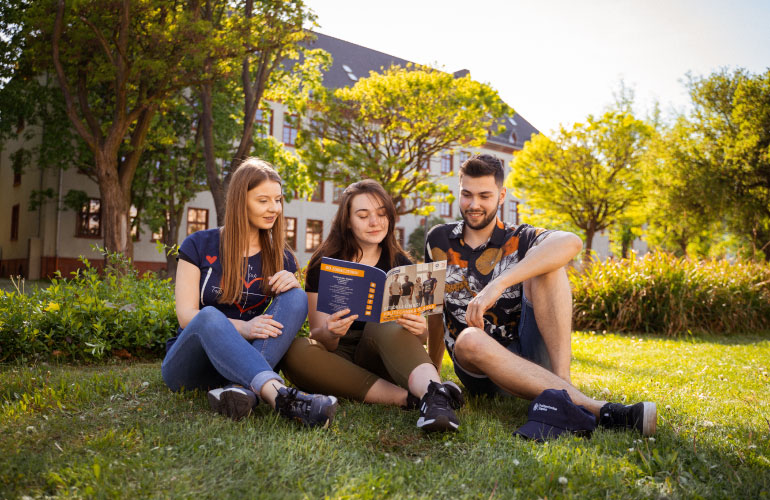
(481, 165)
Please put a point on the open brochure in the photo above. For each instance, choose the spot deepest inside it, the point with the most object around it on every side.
(378, 296)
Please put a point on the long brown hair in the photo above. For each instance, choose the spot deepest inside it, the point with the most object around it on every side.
(341, 244)
(234, 240)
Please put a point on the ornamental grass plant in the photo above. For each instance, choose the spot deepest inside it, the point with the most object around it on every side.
(672, 295)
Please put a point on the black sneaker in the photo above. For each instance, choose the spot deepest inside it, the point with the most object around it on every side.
(312, 410)
(436, 409)
(642, 417)
(456, 395)
(412, 402)
(234, 401)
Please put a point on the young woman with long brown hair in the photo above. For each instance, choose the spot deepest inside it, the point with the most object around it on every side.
(239, 306)
(370, 362)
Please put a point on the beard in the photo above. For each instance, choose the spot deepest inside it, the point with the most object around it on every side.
(485, 221)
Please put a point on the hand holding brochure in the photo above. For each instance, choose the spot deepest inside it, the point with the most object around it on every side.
(378, 296)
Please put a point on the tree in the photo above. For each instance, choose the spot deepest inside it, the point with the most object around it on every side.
(388, 126)
(416, 243)
(114, 63)
(584, 178)
(730, 122)
(170, 172)
(682, 211)
(267, 34)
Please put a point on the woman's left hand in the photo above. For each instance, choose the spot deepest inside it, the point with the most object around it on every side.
(282, 281)
(414, 323)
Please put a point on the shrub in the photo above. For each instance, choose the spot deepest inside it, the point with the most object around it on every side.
(665, 294)
(89, 316)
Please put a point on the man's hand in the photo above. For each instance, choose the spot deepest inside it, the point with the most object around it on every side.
(486, 298)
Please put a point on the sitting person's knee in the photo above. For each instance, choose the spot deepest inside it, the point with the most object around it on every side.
(298, 299)
(469, 342)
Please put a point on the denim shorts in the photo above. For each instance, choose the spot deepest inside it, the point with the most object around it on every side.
(529, 345)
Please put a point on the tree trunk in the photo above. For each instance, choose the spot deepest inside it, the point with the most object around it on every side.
(115, 215)
(590, 231)
(212, 174)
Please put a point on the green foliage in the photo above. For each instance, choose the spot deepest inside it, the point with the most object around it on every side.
(416, 244)
(662, 293)
(730, 122)
(390, 124)
(676, 181)
(89, 316)
(586, 178)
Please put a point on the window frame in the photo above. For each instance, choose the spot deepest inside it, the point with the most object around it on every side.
(292, 130)
(267, 123)
(79, 226)
(308, 234)
(15, 215)
(291, 241)
(187, 220)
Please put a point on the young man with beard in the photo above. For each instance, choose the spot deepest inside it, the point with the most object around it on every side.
(507, 321)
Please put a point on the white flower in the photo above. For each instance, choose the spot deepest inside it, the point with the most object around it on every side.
(562, 480)
(631, 450)
(515, 462)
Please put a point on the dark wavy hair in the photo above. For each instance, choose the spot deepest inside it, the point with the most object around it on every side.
(341, 244)
(481, 165)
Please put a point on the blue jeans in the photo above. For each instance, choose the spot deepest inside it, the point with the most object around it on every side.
(210, 352)
(530, 345)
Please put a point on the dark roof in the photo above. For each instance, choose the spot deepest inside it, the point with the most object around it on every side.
(362, 60)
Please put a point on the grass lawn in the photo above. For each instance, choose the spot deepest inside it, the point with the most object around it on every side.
(116, 431)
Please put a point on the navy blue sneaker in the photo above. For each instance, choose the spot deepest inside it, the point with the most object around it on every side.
(312, 410)
(437, 408)
(642, 417)
(233, 401)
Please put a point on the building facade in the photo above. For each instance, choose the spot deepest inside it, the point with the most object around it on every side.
(36, 243)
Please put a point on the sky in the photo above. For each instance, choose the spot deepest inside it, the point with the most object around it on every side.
(557, 61)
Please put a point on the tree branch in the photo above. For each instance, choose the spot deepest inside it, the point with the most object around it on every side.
(63, 85)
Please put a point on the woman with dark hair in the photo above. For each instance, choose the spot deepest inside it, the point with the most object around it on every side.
(239, 306)
(370, 362)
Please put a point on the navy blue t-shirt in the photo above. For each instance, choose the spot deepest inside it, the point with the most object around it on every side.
(202, 250)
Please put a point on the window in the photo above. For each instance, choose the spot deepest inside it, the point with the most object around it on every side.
(264, 123)
(446, 164)
(318, 194)
(462, 157)
(513, 210)
(16, 177)
(197, 219)
(157, 235)
(313, 234)
(290, 128)
(90, 219)
(425, 165)
(15, 222)
(291, 232)
(400, 236)
(134, 225)
(445, 209)
(337, 193)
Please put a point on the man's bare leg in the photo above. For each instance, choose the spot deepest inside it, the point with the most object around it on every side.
(479, 353)
(551, 299)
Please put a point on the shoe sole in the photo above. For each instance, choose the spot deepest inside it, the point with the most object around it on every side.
(650, 419)
(232, 404)
(440, 424)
